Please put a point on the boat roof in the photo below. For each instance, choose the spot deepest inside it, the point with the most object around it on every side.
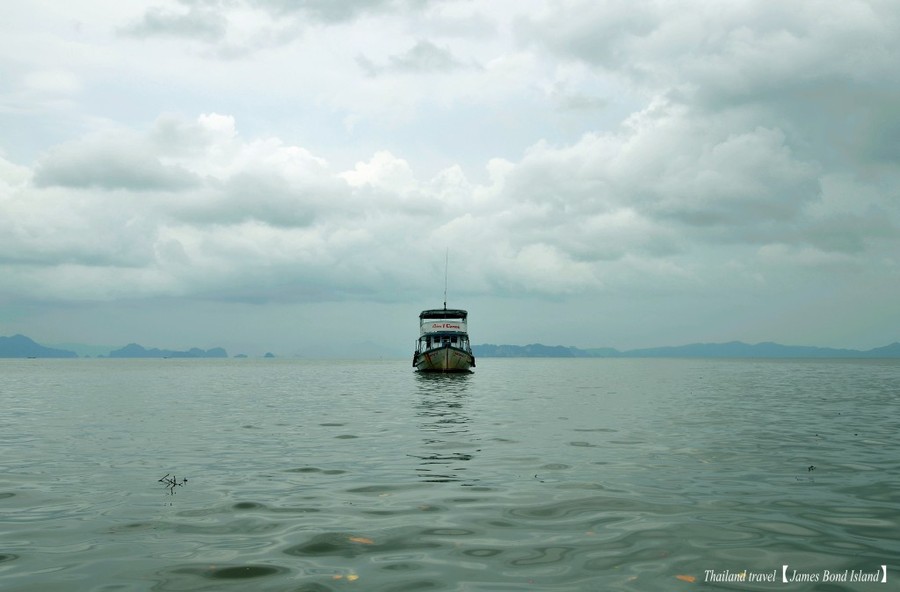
(443, 313)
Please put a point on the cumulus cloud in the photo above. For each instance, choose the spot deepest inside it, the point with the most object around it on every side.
(110, 162)
(823, 73)
(258, 219)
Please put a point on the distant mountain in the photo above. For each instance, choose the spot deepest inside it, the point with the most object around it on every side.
(733, 349)
(85, 350)
(533, 350)
(19, 346)
(887, 351)
(738, 349)
(133, 350)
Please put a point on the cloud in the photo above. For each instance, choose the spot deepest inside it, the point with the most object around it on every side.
(753, 114)
(239, 28)
(425, 56)
(197, 23)
(726, 49)
(192, 208)
(110, 162)
(328, 11)
(260, 220)
(822, 73)
(12, 176)
(384, 171)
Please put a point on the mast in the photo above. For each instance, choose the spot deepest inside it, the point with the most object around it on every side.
(446, 262)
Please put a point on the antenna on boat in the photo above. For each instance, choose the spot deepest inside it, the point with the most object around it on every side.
(446, 262)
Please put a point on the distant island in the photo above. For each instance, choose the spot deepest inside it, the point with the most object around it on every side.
(733, 349)
(133, 350)
(19, 346)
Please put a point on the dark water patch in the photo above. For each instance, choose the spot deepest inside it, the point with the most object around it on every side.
(401, 566)
(293, 510)
(379, 490)
(249, 506)
(384, 513)
(231, 572)
(448, 532)
(413, 585)
(606, 430)
(346, 436)
(314, 470)
(581, 444)
(132, 527)
(331, 544)
(482, 552)
(343, 544)
(555, 467)
(443, 458)
(332, 425)
(468, 500)
(4, 557)
(6, 494)
(245, 571)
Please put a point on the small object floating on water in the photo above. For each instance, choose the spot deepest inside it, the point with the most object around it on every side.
(361, 540)
(685, 578)
(172, 483)
(811, 468)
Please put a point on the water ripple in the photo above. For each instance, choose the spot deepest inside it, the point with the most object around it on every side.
(365, 476)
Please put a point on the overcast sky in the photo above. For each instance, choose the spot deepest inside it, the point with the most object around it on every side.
(277, 175)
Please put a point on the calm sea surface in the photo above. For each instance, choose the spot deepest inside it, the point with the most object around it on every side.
(526, 475)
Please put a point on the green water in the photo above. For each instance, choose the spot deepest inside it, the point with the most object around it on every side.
(526, 475)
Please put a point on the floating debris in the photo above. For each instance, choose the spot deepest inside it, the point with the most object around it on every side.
(172, 482)
(349, 577)
(361, 540)
(685, 578)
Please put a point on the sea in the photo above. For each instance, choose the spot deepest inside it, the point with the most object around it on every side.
(528, 474)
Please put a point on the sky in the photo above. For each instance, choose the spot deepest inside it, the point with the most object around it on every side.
(299, 176)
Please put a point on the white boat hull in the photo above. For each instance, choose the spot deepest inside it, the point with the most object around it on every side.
(444, 359)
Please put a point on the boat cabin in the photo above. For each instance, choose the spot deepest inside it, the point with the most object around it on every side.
(443, 328)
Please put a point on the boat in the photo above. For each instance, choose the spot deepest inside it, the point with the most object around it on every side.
(443, 344)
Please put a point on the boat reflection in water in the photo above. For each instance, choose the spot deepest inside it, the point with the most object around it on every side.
(447, 443)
